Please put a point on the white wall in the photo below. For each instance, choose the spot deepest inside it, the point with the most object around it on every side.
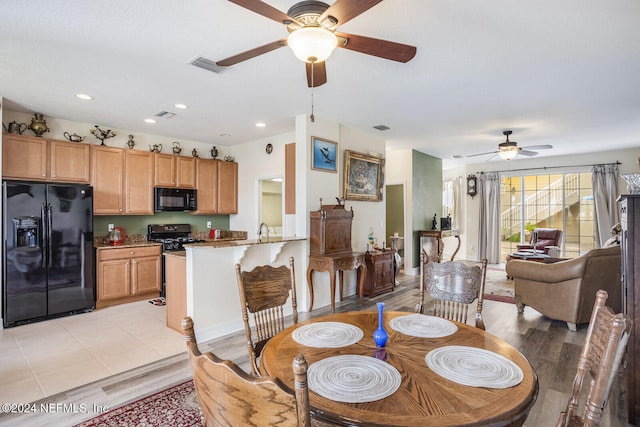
(628, 158)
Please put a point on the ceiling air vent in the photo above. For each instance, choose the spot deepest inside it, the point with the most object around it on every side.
(206, 64)
(164, 114)
(382, 127)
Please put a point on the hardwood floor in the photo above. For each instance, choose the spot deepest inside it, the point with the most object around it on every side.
(551, 348)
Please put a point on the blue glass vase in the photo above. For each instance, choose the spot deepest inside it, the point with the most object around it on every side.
(380, 336)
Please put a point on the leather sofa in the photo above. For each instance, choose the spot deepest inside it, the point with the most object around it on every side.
(546, 237)
(566, 290)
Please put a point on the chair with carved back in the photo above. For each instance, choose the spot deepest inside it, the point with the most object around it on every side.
(600, 358)
(264, 292)
(228, 396)
(453, 286)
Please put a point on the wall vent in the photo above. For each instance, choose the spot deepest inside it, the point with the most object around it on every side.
(382, 127)
(206, 64)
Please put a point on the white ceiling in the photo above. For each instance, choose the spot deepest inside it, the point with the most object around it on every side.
(564, 73)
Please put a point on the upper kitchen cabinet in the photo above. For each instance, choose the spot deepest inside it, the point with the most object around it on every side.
(138, 182)
(174, 171)
(107, 180)
(227, 187)
(207, 186)
(122, 181)
(34, 158)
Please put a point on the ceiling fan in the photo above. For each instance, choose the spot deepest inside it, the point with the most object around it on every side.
(312, 35)
(509, 149)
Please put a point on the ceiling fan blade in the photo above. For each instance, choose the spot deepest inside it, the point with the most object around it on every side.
(252, 53)
(262, 8)
(528, 153)
(376, 47)
(346, 10)
(319, 73)
(538, 147)
(492, 157)
(482, 154)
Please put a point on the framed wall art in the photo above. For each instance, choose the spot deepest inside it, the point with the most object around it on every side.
(363, 176)
(324, 155)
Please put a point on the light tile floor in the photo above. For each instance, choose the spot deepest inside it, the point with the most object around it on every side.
(45, 358)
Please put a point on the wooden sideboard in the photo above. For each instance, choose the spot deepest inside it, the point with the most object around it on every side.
(630, 256)
(434, 252)
(380, 272)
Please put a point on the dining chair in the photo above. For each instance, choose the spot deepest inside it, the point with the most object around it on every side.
(454, 286)
(228, 396)
(264, 292)
(600, 358)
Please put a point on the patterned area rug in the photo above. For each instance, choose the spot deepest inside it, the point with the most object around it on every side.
(497, 287)
(176, 406)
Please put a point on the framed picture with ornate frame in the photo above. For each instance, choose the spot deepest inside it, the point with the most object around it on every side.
(324, 155)
(363, 176)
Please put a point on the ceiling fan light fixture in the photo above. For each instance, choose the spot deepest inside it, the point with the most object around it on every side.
(312, 43)
(508, 154)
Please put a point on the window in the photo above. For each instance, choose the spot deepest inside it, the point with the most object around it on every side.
(563, 201)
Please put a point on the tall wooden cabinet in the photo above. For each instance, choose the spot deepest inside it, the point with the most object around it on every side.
(630, 255)
(227, 187)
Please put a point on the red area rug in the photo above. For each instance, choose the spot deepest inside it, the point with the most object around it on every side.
(176, 406)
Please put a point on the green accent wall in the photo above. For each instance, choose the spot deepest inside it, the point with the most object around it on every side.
(426, 195)
(137, 224)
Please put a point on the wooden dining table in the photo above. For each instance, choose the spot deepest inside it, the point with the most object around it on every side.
(423, 398)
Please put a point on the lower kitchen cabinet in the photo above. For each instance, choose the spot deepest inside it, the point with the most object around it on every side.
(380, 277)
(128, 274)
(176, 289)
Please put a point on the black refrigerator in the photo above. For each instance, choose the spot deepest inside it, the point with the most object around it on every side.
(47, 257)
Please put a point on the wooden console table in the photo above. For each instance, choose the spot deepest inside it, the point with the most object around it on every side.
(437, 235)
(333, 263)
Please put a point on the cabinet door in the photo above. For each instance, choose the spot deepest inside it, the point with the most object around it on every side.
(138, 182)
(146, 275)
(70, 161)
(24, 157)
(207, 186)
(186, 172)
(114, 279)
(165, 170)
(227, 187)
(107, 179)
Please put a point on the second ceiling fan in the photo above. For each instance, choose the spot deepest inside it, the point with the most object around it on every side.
(509, 149)
(312, 36)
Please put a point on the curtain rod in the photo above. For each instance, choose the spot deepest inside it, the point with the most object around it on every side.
(554, 167)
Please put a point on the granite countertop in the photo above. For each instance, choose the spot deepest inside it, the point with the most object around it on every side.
(225, 243)
(131, 241)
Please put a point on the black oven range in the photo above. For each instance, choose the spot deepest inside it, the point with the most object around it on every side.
(172, 237)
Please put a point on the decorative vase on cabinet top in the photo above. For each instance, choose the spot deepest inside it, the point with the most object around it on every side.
(39, 125)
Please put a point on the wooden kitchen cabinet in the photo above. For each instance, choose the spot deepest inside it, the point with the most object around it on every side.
(107, 178)
(227, 187)
(128, 274)
(138, 182)
(35, 158)
(207, 186)
(380, 275)
(176, 289)
(172, 170)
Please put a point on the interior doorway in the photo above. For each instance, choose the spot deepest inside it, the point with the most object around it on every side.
(395, 214)
(271, 205)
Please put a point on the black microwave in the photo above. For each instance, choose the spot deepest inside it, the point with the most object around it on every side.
(174, 199)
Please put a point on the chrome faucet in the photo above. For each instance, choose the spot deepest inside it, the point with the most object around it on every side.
(263, 224)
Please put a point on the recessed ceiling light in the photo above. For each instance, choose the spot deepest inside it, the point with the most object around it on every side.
(83, 96)
(456, 156)
(261, 125)
(181, 106)
(149, 121)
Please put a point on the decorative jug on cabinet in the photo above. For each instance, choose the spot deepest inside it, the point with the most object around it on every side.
(155, 148)
(214, 152)
(74, 137)
(15, 127)
(39, 125)
(176, 147)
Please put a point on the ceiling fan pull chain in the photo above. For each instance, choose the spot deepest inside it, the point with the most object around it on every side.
(312, 118)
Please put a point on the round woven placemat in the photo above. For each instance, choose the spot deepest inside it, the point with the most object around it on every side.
(419, 325)
(353, 378)
(475, 367)
(327, 335)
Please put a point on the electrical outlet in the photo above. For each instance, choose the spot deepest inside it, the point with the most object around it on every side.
(110, 227)
(208, 224)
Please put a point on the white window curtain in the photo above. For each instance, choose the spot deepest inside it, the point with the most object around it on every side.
(489, 225)
(604, 180)
(457, 207)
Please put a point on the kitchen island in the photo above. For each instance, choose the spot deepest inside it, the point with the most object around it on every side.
(211, 296)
